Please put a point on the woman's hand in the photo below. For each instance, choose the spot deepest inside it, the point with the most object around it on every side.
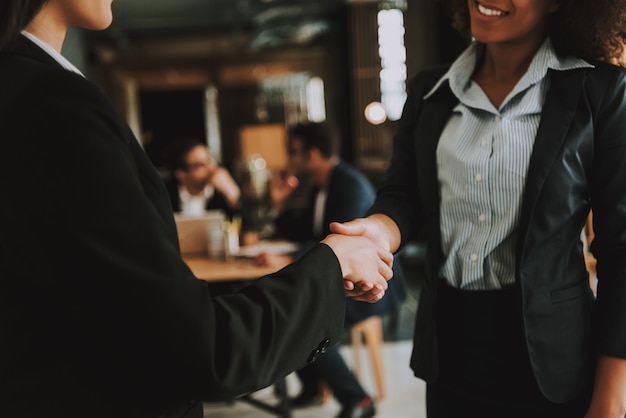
(365, 266)
(378, 228)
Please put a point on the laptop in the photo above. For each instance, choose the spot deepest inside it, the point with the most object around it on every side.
(194, 231)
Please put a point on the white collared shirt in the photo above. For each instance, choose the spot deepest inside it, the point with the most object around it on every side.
(194, 204)
(482, 161)
(53, 53)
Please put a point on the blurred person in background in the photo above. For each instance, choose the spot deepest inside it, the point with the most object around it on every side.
(198, 183)
(340, 193)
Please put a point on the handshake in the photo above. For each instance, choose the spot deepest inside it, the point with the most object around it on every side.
(364, 248)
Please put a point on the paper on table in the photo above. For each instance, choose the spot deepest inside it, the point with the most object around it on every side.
(274, 247)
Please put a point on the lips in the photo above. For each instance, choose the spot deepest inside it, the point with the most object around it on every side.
(489, 11)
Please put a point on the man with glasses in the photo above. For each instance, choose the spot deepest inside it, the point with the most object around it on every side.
(200, 183)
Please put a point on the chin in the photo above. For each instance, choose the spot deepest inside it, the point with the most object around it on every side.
(99, 24)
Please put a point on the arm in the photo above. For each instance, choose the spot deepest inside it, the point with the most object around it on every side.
(109, 269)
(609, 395)
(608, 198)
(226, 186)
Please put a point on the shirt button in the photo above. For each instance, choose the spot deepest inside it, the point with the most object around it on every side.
(474, 258)
(478, 177)
(483, 142)
(498, 117)
(482, 217)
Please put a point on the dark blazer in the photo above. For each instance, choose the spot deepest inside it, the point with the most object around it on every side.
(99, 315)
(578, 162)
(350, 194)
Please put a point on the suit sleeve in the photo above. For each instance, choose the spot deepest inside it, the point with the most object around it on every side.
(109, 294)
(398, 195)
(608, 201)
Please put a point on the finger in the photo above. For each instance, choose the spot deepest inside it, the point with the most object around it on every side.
(368, 287)
(292, 181)
(364, 286)
(355, 227)
(348, 285)
(386, 257)
(385, 271)
(354, 294)
(379, 288)
(370, 298)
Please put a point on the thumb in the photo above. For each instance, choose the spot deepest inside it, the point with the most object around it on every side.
(355, 227)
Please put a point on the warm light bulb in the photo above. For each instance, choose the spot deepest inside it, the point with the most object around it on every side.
(375, 113)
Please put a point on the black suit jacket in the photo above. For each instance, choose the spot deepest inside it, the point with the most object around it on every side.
(578, 163)
(350, 194)
(99, 315)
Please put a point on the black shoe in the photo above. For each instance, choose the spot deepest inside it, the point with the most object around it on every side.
(364, 409)
(306, 398)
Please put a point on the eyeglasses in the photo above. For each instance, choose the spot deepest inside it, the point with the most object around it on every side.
(196, 166)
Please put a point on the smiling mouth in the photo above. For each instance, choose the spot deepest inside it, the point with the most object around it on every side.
(490, 12)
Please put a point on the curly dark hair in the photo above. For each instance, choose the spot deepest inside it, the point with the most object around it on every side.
(589, 29)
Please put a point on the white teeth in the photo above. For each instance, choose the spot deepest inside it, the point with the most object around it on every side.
(490, 12)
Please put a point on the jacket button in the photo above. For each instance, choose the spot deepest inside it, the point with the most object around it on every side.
(321, 349)
(314, 355)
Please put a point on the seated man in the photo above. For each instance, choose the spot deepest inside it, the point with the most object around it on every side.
(340, 193)
(198, 182)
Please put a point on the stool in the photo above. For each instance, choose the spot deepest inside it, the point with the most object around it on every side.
(370, 330)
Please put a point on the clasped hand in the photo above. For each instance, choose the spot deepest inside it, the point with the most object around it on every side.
(365, 261)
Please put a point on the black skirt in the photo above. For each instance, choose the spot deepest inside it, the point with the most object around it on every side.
(484, 364)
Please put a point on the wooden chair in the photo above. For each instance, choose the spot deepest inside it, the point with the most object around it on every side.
(369, 330)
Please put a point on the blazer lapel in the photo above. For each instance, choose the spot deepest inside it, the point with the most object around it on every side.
(434, 115)
(556, 118)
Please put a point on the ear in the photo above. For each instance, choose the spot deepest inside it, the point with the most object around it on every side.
(179, 174)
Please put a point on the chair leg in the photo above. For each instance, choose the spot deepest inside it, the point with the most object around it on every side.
(356, 340)
(371, 330)
(374, 341)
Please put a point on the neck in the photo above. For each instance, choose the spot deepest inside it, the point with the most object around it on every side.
(507, 62)
(194, 190)
(322, 175)
(48, 27)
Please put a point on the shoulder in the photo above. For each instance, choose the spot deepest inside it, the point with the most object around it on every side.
(600, 75)
(351, 180)
(427, 77)
(37, 93)
(604, 84)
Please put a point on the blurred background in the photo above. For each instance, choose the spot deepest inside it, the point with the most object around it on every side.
(235, 73)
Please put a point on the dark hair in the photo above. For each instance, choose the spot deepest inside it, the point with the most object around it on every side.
(589, 29)
(14, 16)
(176, 152)
(323, 136)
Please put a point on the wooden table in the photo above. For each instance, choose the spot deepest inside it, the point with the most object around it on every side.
(238, 268)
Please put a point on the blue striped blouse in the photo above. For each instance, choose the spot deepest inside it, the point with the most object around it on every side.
(482, 160)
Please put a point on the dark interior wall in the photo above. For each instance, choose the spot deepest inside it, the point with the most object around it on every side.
(237, 107)
(167, 115)
(326, 57)
(429, 40)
